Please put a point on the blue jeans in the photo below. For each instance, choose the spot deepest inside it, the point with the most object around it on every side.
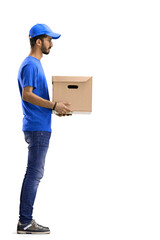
(38, 143)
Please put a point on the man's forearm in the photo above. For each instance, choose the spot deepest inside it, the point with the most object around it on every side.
(36, 100)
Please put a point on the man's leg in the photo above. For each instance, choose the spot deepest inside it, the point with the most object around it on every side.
(38, 143)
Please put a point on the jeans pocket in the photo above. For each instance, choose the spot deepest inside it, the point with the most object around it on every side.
(28, 137)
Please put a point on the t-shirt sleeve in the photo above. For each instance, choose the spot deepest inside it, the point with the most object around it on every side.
(29, 76)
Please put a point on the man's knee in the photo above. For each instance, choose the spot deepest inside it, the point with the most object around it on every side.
(36, 174)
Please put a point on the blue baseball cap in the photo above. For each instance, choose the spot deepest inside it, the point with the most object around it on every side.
(40, 29)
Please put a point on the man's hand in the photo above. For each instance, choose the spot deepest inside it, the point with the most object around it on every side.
(62, 109)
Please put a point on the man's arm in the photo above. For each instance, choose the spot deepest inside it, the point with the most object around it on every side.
(29, 96)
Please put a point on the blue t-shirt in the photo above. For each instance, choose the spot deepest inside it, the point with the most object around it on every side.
(31, 74)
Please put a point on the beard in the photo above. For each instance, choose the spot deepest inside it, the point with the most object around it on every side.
(45, 50)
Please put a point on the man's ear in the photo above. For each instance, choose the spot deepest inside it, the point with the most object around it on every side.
(38, 42)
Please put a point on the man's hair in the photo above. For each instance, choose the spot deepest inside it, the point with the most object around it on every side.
(34, 39)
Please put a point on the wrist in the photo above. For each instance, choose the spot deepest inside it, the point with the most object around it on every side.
(51, 105)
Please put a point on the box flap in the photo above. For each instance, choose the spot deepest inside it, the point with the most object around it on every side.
(70, 79)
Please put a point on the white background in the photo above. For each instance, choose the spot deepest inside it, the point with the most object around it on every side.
(102, 170)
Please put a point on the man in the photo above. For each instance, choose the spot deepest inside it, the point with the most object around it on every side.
(37, 109)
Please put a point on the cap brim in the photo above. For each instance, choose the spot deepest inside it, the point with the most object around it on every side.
(54, 35)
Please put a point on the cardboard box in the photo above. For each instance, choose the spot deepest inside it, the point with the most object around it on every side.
(76, 90)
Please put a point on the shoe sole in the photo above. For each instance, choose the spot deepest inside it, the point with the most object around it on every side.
(27, 232)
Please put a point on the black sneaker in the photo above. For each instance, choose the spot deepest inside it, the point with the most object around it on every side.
(32, 228)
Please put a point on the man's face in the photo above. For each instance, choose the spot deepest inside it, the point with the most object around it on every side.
(46, 45)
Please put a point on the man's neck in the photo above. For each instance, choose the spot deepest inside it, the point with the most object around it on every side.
(36, 54)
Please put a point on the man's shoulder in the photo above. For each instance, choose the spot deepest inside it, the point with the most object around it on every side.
(29, 63)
